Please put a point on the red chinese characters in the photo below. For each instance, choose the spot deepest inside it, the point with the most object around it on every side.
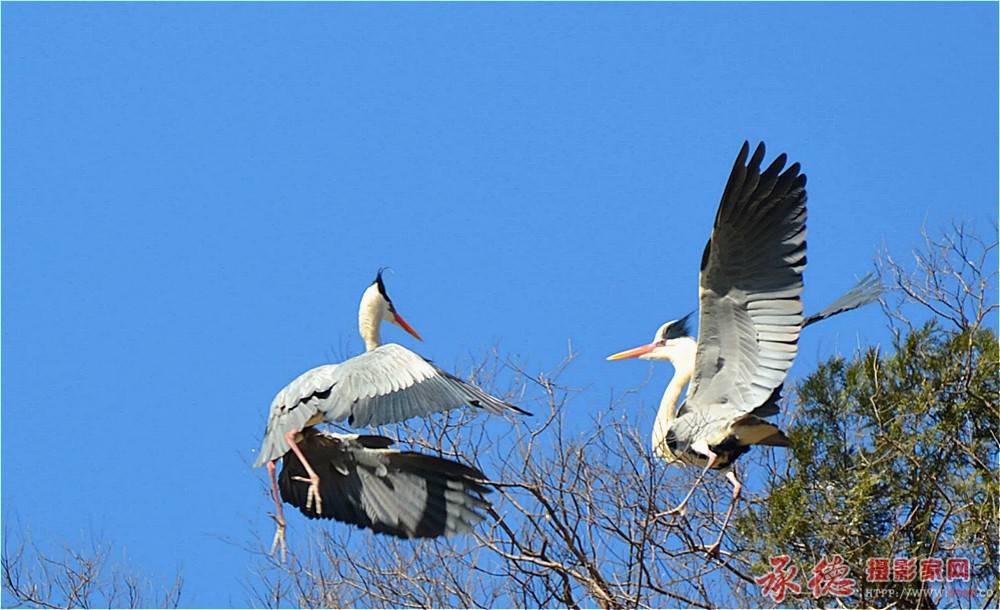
(877, 569)
(904, 569)
(931, 569)
(958, 569)
(778, 580)
(830, 577)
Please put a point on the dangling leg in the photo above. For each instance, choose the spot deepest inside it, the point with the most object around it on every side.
(312, 479)
(279, 516)
(731, 475)
(702, 448)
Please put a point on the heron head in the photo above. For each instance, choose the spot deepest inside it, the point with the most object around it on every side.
(377, 306)
(665, 342)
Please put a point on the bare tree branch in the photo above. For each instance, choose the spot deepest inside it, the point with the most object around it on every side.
(69, 578)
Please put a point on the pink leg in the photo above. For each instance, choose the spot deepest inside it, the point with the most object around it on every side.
(279, 516)
(703, 449)
(312, 479)
(737, 487)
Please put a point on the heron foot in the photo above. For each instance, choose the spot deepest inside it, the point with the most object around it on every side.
(712, 550)
(679, 510)
(279, 538)
(313, 497)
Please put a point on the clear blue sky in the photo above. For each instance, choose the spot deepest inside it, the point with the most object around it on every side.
(194, 197)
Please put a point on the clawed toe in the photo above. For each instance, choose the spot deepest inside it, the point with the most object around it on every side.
(313, 497)
(279, 538)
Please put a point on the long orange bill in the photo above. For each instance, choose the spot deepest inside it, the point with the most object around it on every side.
(635, 352)
(406, 326)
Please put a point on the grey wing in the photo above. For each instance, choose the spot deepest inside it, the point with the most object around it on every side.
(392, 384)
(751, 282)
(386, 385)
(867, 290)
(399, 493)
(298, 405)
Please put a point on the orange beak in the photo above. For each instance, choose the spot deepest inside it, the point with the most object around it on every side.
(405, 326)
(635, 352)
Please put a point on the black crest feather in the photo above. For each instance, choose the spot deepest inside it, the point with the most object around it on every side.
(678, 329)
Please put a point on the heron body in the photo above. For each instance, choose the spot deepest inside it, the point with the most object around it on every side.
(726, 437)
(386, 384)
(750, 317)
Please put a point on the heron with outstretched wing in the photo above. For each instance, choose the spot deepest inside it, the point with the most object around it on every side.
(750, 316)
(386, 384)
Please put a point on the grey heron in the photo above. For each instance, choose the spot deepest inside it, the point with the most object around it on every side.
(749, 323)
(386, 384)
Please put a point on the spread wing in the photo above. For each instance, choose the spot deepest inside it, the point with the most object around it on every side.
(386, 385)
(400, 493)
(751, 281)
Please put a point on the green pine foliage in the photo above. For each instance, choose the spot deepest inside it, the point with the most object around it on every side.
(893, 455)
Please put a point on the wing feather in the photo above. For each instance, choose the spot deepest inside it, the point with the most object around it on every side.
(751, 282)
(398, 493)
(866, 291)
(386, 385)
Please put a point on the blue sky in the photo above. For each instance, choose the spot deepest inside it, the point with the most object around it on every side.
(194, 197)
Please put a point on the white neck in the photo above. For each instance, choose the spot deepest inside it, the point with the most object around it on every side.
(681, 353)
(370, 315)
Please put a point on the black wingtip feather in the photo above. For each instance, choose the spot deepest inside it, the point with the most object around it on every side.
(737, 175)
(520, 411)
(778, 164)
(758, 156)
